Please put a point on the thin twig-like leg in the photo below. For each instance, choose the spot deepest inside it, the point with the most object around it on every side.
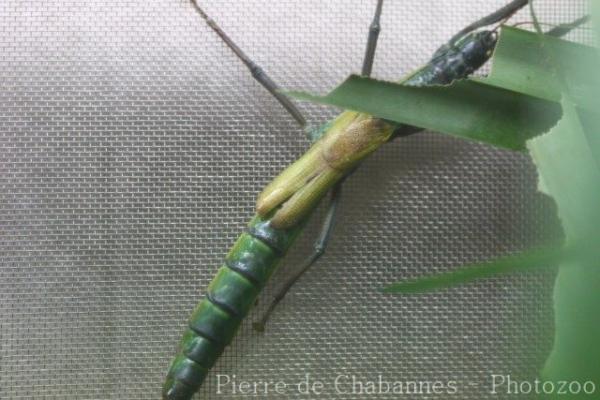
(257, 72)
(336, 193)
(319, 250)
(496, 16)
(374, 30)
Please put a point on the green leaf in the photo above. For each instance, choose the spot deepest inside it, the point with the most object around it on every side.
(568, 172)
(522, 64)
(533, 259)
(534, 80)
(472, 110)
(517, 102)
(567, 163)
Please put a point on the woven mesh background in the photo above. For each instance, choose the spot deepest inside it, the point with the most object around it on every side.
(133, 145)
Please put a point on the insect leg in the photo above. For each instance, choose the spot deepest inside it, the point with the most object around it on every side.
(497, 16)
(327, 228)
(257, 72)
(374, 30)
(319, 249)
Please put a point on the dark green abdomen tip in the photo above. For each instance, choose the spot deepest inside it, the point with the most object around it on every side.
(177, 390)
(184, 379)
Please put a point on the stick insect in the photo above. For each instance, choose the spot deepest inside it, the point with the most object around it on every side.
(285, 205)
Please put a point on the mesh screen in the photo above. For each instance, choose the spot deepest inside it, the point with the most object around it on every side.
(133, 146)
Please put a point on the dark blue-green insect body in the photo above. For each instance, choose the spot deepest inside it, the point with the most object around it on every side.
(254, 257)
(457, 60)
(449, 63)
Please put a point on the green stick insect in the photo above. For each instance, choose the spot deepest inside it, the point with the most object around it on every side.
(285, 205)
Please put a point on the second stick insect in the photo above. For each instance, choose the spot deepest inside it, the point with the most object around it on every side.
(285, 205)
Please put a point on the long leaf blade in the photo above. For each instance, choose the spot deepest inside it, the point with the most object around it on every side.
(471, 110)
(530, 260)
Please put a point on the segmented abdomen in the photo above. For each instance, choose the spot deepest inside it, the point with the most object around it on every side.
(230, 295)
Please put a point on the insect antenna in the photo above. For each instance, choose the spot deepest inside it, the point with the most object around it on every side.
(562, 29)
(257, 72)
(500, 15)
(504, 20)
